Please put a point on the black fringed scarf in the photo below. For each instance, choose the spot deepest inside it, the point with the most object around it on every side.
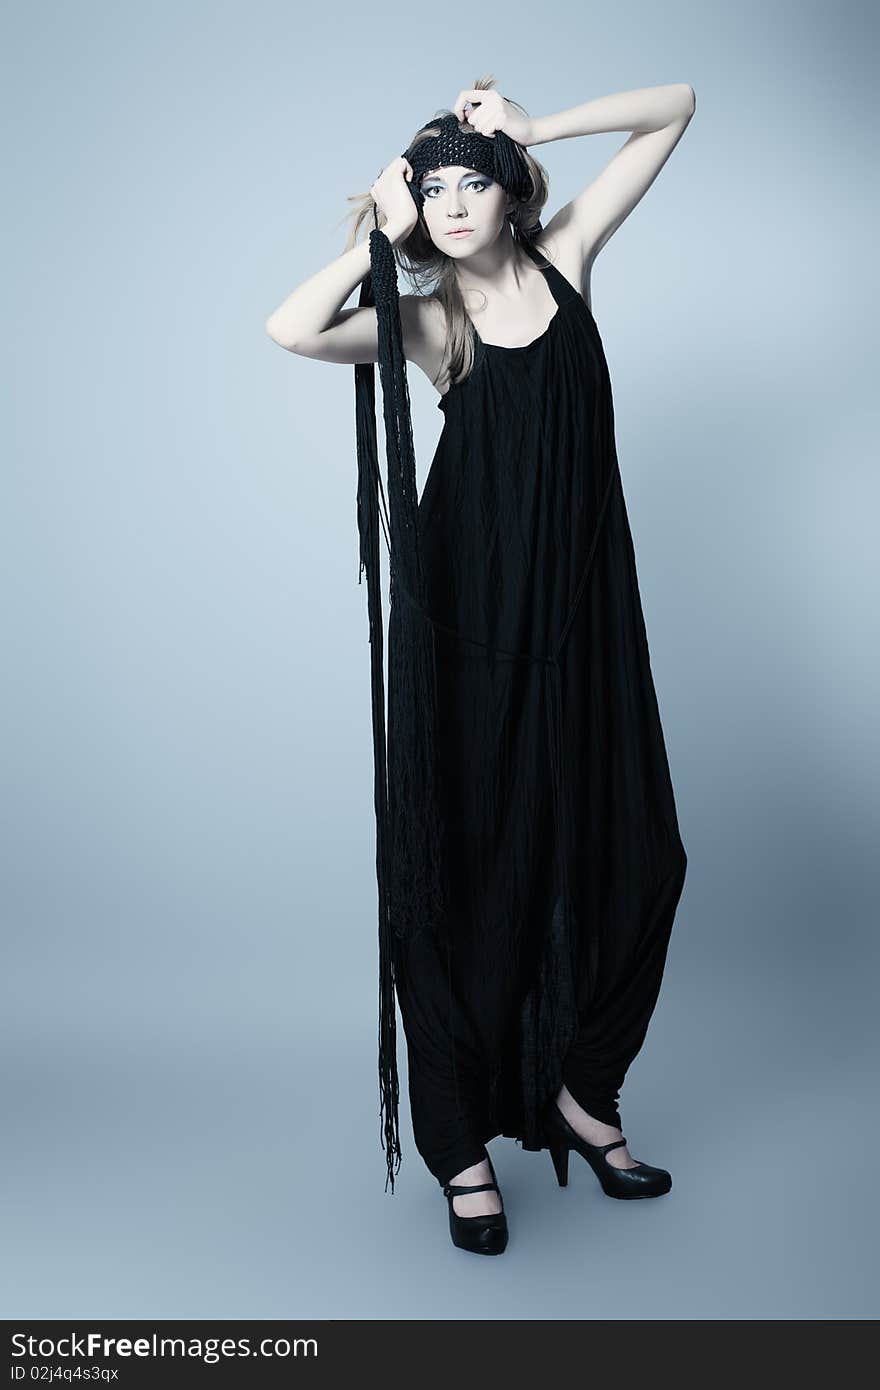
(409, 830)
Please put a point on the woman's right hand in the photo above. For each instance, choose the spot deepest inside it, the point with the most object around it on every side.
(394, 199)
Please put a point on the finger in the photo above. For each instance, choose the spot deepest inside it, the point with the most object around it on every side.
(467, 99)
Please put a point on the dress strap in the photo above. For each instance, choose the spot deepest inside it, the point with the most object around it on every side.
(561, 288)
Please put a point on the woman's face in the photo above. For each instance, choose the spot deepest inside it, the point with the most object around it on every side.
(457, 198)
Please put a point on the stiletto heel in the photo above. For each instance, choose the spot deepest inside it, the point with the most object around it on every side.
(559, 1153)
(482, 1235)
(641, 1181)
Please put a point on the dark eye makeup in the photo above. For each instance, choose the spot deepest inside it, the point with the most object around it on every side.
(468, 179)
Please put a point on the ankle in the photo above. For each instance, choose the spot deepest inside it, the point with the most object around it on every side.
(587, 1126)
(594, 1131)
(485, 1203)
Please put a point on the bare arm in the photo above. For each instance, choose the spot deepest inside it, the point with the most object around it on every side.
(657, 117)
(313, 306)
(311, 323)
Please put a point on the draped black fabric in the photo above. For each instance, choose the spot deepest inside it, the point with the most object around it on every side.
(565, 864)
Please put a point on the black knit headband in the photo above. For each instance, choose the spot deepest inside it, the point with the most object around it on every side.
(409, 831)
(497, 156)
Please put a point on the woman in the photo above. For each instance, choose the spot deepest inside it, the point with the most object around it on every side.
(529, 993)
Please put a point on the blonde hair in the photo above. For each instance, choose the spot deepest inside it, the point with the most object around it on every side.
(430, 271)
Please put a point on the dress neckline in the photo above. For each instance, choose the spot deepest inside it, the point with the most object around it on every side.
(521, 347)
(562, 291)
(484, 348)
(524, 347)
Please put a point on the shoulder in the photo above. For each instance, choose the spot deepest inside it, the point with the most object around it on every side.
(565, 254)
(423, 325)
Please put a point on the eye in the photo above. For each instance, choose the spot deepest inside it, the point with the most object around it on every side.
(438, 188)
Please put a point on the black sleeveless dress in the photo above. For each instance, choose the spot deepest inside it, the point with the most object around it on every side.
(565, 860)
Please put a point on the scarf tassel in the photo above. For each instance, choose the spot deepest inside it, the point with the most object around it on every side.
(409, 842)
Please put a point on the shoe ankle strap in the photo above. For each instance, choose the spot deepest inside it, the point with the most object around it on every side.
(449, 1190)
(556, 1114)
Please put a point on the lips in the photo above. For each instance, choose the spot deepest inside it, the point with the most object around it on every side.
(460, 231)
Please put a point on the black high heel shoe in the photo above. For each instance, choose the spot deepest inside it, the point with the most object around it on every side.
(641, 1181)
(485, 1234)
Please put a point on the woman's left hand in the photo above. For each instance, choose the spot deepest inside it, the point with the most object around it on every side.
(487, 112)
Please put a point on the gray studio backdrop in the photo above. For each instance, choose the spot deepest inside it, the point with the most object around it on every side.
(190, 1096)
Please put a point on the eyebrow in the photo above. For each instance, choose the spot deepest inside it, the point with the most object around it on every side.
(469, 175)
